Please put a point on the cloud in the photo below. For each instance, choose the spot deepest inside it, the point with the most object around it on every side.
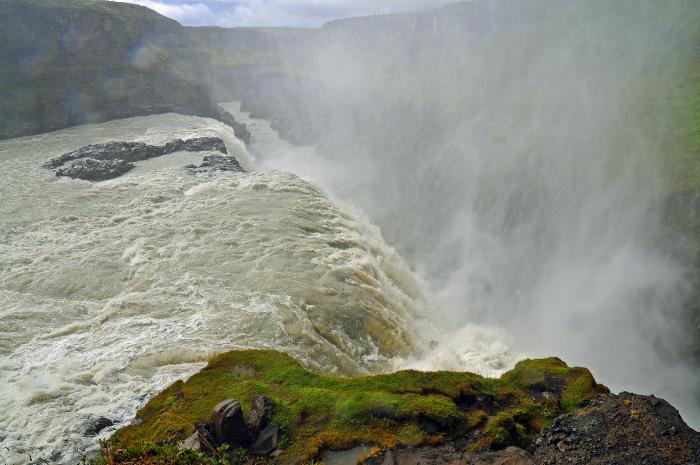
(185, 12)
(297, 13)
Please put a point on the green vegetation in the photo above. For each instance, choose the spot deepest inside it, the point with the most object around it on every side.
(319, 413)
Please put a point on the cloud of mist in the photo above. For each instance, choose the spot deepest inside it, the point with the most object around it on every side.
(508, 150)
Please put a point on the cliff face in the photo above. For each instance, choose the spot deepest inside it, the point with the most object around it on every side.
(270, 71)
(72, 62)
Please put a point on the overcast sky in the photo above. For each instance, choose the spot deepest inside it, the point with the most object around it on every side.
(297, 13)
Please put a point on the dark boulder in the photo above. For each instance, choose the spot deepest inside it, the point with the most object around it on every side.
(125, 151)
(259, 414)
(138, 151)
(90, 169)
(94, 425)
(197, 144)
(100, 162)
(267, 440)
(229, 424)
(192, 443)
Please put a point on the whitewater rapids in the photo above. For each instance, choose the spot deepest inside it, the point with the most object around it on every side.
(111, 291)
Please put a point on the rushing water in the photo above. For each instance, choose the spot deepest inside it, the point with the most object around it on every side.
(110, 291)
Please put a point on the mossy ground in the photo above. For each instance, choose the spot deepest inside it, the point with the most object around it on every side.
(319, 413)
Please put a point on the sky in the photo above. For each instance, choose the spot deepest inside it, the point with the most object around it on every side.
(295, 13)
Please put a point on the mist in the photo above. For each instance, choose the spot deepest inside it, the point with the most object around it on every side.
(513, 153)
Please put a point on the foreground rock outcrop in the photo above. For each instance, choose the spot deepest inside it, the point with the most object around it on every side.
(90, 169)
(263, 407)
(101, 162)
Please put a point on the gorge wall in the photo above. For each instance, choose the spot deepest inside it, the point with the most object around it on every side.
(72, 62)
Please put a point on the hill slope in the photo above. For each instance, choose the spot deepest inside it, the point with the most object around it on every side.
(72, 62)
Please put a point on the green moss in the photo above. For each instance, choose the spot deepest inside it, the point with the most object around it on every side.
(318, 413)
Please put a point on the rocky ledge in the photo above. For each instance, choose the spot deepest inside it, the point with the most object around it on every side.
(542, 412)
(625, 429)
(101, 162)
(619, 430)
(239, 129)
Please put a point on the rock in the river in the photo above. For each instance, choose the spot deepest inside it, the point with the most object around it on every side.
(191, 443)
(90, 169)
(239, 129)
(213, 163)
(100, 162)
(267, 440)
(125, 151)
(94, 425)
(229, 424)
(197, 144)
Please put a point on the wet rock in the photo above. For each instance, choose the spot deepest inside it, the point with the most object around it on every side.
(197, 144)
(89, 169)
(259, 414)
(94, 425)
(239, 129)
(229, 424)
(125, 151)
(136, 422)
(267, 440)
(213, 163)
(100, 162)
